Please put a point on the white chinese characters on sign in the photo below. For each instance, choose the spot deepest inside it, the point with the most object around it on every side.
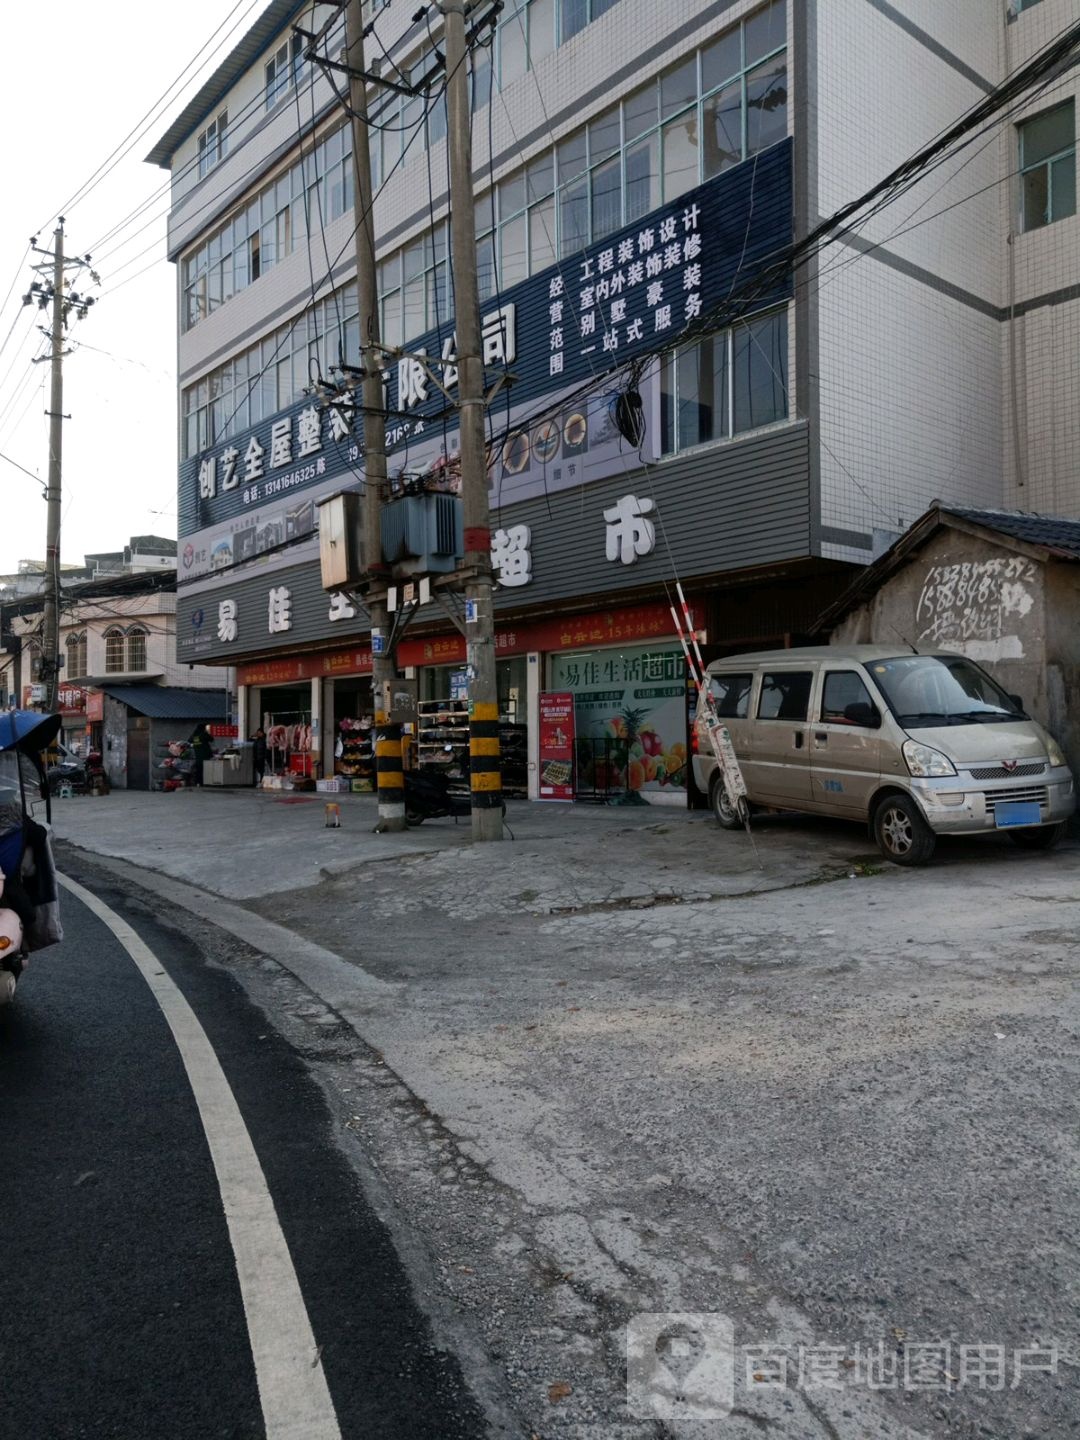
(498, 339)
(656, 273)
(341, 607)
(511, 557)
(629, 534)
(279, 616)
(227, 628)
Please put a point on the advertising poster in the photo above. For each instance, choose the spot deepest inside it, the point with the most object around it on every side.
(556, 746)
(632, 704)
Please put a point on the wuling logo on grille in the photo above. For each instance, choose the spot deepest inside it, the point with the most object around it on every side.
(1008, 765)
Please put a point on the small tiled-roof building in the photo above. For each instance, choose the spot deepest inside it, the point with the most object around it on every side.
(1000, 586)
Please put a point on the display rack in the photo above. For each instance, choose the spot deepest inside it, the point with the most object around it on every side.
(442, 734)
(442, 739)
(356, 760)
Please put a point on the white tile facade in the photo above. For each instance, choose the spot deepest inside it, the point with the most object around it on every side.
(916, 361)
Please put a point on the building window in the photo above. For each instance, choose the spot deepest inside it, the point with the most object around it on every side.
(114, 651)
(311, 194)
(284, 69)
(725, 384)
(213, 143)
(1048, 166)
(1025, 4)
(75, 646)
(414, 288)
(704, 114)
(136, 648)
(272, 373)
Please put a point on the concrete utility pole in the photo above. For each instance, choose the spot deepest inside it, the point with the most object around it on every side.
(51, 639)
(390, 778)
(62, 304)
(485, 764)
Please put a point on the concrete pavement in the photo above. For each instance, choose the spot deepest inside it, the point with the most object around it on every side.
(618, 1066)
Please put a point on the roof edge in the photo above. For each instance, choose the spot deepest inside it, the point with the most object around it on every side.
(239, 59)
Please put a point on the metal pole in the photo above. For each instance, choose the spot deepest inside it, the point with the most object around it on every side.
(50, 655)
(485, 766)
(389, 776)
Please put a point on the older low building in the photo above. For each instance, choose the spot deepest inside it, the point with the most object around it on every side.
(1000, 586)
(119, 670)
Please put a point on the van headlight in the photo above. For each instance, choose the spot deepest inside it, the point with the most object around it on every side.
(1054, 753)
(926, 763)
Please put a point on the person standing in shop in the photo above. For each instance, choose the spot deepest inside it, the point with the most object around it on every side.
(202, 748)
(258, 754)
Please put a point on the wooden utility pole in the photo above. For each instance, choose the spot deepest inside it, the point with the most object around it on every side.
(484, 758)
(390, 778)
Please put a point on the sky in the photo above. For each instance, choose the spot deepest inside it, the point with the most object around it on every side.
(120, 445)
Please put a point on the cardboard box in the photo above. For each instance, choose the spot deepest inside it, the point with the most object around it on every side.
(363, 787)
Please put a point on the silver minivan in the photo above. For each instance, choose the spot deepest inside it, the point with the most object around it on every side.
(916, 745)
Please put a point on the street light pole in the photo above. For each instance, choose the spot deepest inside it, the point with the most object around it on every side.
(484, 759)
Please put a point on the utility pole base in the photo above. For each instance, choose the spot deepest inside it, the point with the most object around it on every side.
(487, 824)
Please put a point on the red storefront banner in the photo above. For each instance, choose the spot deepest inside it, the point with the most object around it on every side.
(556, 745)
(305, 667)
(608, 627)
(95, 705)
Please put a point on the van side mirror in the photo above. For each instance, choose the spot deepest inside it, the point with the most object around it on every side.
(1017, 702)
(863, 713)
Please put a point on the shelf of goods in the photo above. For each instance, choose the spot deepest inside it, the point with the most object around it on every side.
(354, 752)
(442, 739)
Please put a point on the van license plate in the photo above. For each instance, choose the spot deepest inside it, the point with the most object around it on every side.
(1016, 812)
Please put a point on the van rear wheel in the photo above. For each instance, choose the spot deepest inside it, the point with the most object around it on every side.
(903, 836)
(727, 815)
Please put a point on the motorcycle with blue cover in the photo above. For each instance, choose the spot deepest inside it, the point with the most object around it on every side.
(29, 897)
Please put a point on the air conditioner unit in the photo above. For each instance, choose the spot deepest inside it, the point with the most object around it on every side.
(422, 534)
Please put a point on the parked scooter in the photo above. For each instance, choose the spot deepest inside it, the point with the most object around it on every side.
(12, 959)
(29, 899)
(428, 796)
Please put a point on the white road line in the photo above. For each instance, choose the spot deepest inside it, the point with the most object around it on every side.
(295, 1400)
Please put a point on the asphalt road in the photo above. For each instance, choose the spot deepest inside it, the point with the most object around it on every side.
(121, 1313)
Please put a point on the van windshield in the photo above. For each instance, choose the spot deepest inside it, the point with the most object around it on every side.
(925, 690)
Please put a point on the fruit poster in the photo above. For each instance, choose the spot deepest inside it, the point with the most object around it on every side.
(635, 701)
(556, 746)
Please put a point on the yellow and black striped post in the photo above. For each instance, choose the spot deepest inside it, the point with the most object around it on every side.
(389, 775)
(485, 766)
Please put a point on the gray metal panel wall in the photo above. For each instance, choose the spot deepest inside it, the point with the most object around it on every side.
(720, 509)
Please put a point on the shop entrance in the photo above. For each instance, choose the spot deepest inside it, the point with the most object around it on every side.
(354, 732)
(630, 708)
(286, 718)
(442, 737)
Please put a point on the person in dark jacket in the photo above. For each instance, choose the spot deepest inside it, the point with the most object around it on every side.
(202, 747)
(258, 744)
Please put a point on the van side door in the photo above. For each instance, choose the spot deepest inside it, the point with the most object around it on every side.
(845, 743)
(779, 768)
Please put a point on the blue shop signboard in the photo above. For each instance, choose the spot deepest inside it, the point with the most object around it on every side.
(624, 298)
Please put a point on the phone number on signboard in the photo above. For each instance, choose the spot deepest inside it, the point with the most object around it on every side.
(282, 482)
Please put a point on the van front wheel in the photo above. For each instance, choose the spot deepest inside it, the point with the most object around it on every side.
(1043, 837)
(903, 836)
(727, 814)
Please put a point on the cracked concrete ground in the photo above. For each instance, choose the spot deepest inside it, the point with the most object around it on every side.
(619, 1067)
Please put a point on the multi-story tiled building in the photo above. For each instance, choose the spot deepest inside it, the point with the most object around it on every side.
(639, 172)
